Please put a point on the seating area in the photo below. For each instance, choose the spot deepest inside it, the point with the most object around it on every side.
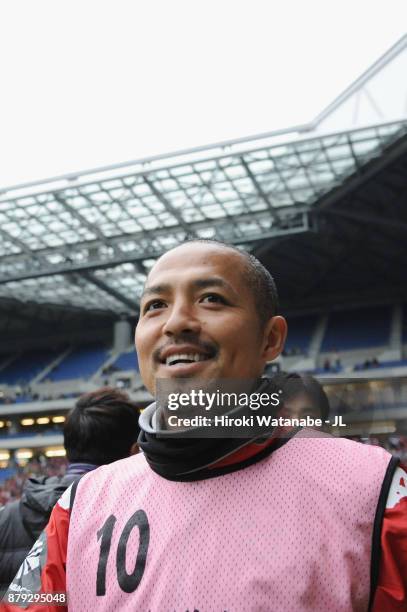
(404, 325)
(25, 367)
(126, 361)
(392, 363)
(82, 362)
(6, 473)
(300, 330)
(353, 340)
(357, 329)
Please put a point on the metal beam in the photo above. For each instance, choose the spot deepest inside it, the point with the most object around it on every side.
(299, 223)
(357, 162)
(259, 189)
(169, 207)
(110, 290)
(93, 228)
(304, 167)
(246, 228)
(17, 242)
(280, 174)
(74, 213)
(360, 83)
(115, 242)
(367, 172)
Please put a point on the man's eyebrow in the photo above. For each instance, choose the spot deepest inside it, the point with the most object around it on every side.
(201, 283)
(215, 281)
(156, 290)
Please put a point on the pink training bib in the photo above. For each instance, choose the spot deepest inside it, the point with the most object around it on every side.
(292, 532)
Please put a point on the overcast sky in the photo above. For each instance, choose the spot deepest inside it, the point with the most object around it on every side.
(87, 83)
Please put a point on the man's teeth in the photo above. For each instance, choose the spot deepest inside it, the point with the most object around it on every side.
(185, 358)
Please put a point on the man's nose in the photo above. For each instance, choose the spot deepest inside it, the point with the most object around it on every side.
(181, 319)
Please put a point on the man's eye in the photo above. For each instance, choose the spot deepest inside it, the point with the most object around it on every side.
(155, 305)
(213, 298)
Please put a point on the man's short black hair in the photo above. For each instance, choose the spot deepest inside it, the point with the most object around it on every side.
(101, 428)
(258, 279)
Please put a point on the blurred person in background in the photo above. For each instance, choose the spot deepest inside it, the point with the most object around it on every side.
(101, 428)
(303, 396)
(11, 489)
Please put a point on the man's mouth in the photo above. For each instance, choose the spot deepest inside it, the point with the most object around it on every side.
(184, 355)
(185, 358)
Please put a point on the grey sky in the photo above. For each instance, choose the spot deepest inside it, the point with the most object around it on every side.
(92, 83)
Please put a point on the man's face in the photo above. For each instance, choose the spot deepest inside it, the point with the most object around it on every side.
(301, 405)
(198, 318)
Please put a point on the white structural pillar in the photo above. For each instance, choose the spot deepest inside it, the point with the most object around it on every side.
(122, 336)
(395, 348)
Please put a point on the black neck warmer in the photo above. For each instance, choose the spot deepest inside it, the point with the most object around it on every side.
(189, 459)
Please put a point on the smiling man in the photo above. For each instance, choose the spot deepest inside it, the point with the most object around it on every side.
(207, 311)
(241, 525)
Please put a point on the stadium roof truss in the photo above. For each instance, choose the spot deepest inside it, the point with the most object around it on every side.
(88, 240)
(91, 242)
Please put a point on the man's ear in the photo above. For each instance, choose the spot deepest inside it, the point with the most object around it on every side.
(275, 334)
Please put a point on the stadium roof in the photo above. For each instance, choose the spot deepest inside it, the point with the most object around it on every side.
(88, 240)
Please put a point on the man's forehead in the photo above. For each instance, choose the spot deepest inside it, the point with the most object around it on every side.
(192, 257)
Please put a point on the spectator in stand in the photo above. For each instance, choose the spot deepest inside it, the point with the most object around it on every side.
(101, 428)
(327, 365)
(336, 360)
(368, 363)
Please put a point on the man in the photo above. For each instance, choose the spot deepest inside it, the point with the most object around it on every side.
(241, 525)
(101, 428)
(303, 395)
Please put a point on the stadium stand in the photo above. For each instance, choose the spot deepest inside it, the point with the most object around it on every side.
(351, 339)
(25, 367)
(356, 329)
(404, 324)
(6, 473)
(126, 361)
(394, 363)
(82, 362)
(299, 336)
